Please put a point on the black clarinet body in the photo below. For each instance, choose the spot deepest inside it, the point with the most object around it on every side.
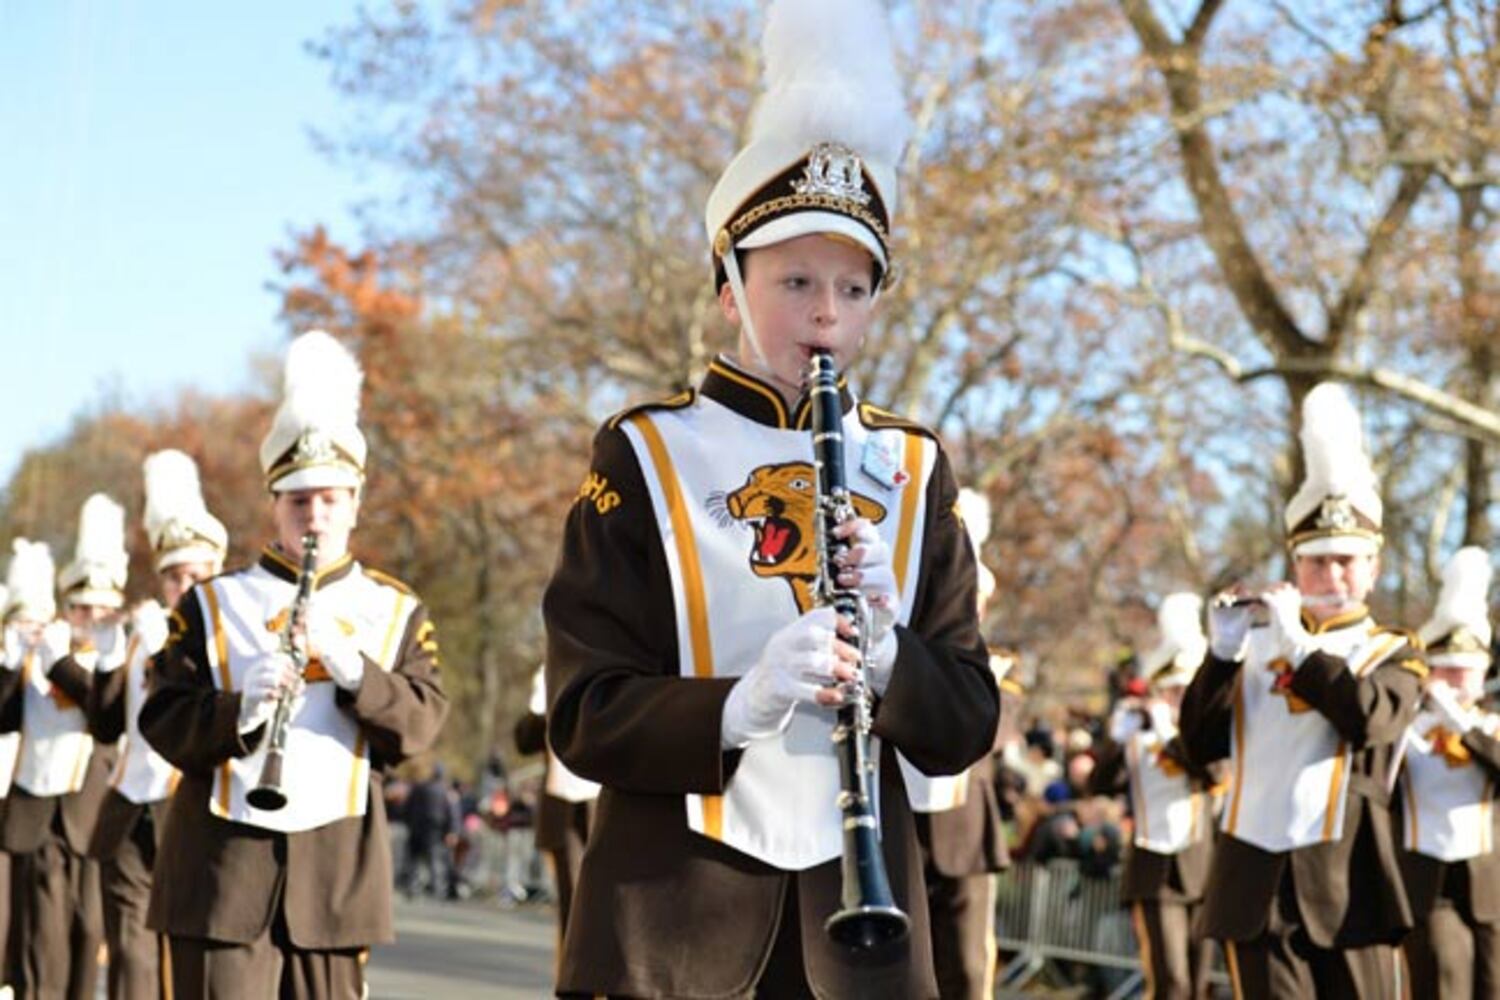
(868, 916)
(267, 794)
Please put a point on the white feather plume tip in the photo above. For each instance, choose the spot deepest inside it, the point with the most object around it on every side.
(1333, 440)
(974, 509)
(831, 77)
(29, 578)
(172, 488)
(321, 382)
(101, 533)
(1464, 598)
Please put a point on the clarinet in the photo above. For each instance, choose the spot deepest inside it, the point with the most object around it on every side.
(267, 794)
(868, 917)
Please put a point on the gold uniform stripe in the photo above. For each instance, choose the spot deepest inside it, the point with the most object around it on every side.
(1239, 751)
(119, 775)
(1143, 942)
(226, 681)
(692, 585)
(1232, 960)
(909, 500)
(390, 633)
(784, 419)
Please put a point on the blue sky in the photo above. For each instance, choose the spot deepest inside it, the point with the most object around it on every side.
(153, 154)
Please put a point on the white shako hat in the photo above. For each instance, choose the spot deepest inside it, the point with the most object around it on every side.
(825, 139)
(28, 582)
(315, 441)
(178, 524)
(974, 510)
(1337, 510)
(1458, 634)
(1180, 650)
(100, 563)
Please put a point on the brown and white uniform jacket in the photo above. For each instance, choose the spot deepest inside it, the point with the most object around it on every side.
(1169, 852)
(224, 867)
(1312, 753)
(59, 771)
(688, 546)
(1448, 817)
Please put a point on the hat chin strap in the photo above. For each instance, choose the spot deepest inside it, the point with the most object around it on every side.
(737, 289)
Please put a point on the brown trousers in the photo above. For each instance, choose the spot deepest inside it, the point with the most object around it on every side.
(267, 967)
(1450, 956)
(1291, 966)
(134, 949)
(58, 926)
(1175, 965)
(962, 915)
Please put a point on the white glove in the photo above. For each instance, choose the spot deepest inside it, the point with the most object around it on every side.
(265, 679)
(1162, 721)
(327, 641)
(1444, 703)
(1289, 637)
(150, 624)
(19, 641)
(1125, 721)
(869, 568)
(796, 664)
(1228, 628)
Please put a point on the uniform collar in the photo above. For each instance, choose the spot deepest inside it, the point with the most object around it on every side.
(753, 397)
(283, 567)
(1356, 616)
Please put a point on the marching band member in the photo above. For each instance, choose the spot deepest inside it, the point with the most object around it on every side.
(960, 830)
(1309, 707)
(566, 805)
(10, 746)
(262, 902)
(61, 776)
(188, 545)
(689, 672)
(1447, 798)
(1166, 863)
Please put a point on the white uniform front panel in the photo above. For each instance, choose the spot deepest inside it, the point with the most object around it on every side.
(700, 463)
(325, 775)
(1169, 814)
(55, 741)
(10, 748)
(1449, 798)
(141, 774)
(1291, 769)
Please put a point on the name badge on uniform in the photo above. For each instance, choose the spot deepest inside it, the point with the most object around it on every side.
(882, 457)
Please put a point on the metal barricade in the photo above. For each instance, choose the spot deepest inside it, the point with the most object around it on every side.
(1055, 913)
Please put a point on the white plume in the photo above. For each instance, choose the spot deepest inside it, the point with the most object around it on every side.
(172, 489)
(1464, 598)
(321, 382)
(101, 535)
(1333, 439)
(1179, 621)
(831, 77)
(30, 579)
(974, 509)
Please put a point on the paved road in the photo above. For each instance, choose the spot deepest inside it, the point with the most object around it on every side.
(465, 951)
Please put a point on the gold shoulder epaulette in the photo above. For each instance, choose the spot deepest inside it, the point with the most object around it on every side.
(1415, 666)
(388, 580)
(1411, 637)
(682, 399)
(877, 419)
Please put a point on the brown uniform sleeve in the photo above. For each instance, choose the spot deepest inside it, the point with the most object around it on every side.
(1484, 748)
(402, 710)
(1110, 775)
(187, 720)
(942, 706)
(74, 681)
(107, 704)
(531, 733)
(1207, 714)
(620, 713)
(1367, 711)
(10, 700)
